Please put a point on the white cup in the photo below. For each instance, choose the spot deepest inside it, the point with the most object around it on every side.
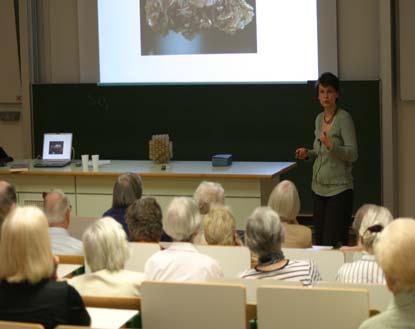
(85, 158)
(95, 159)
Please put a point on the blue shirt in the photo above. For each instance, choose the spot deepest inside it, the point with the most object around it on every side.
(119, 215)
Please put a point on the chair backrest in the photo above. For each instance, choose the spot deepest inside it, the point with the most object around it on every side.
(232, 259)
(139, 254)
(78, 225)
(167, 305)
(251, 286)
(302, 307)
(328, 262)
(19, 325)
(123, 303)
(71, 259)
(379, 294)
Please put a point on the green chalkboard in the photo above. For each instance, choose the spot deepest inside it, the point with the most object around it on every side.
(254, 122)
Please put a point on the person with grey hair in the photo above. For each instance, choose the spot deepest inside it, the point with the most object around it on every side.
(284, 199)
(106, 251)
(367, 270)
(127, 189)
(394, 252)
(58, 212)
(144, 220)
(8, 199)
(264, 236)
(207, 194)
(181, 261)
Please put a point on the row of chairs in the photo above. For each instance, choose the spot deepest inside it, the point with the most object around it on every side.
(167, 305)
(235, 260)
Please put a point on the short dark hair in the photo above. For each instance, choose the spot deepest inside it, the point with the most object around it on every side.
(7, 200)
(144, 220)
(328, 79)
(127, 189)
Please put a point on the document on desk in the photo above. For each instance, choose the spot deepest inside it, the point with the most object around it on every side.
(66, 269)
(109, 318)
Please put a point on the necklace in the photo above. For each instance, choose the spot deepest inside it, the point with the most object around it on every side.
(331, 118)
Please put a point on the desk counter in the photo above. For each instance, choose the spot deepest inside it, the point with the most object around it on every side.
(247, 184)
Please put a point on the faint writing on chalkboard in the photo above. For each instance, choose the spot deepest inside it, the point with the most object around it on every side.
(98, 101)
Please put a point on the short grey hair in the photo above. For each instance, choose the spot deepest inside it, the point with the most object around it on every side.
(207, 194)
(105, 245)
(284, 200)
(56, 210)
(394, 251)
(127, 189)
(182, 220)
(374, 215)
(264, 232)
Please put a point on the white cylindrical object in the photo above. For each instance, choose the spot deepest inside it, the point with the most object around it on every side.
(85, 158)
(95, 160)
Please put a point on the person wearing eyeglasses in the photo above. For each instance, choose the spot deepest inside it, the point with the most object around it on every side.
(367, 270)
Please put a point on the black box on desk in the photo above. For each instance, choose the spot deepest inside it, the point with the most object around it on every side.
(221, 160)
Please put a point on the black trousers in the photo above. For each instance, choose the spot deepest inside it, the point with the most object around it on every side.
(332, 218)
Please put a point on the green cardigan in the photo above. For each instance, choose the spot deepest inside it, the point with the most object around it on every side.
(332, 169)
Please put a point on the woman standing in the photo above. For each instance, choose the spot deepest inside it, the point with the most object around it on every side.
(334, 150)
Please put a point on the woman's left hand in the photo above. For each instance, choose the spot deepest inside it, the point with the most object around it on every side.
(326, 140)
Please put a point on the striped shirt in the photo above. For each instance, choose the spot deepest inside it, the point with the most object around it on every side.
(295, 270)
(365, 270)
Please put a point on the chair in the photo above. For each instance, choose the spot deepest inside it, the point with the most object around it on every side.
(328, 262)
(379, 294)
(167, 305)
(78, 225)
(71, 259)
(70, 265)
(302, 307)
(139, 254)
(232, 259)
(251, 286)
(19, 325)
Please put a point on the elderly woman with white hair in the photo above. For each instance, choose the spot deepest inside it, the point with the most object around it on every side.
(394, 251)
(264, 236)
(367, 270)
(284, 199)
(208, 194)
(28, 289)
(106, 251)
(181, 261)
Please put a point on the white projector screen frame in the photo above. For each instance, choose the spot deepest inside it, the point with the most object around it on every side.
(327, 55)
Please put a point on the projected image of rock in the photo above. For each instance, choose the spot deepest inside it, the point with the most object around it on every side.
(180, 27)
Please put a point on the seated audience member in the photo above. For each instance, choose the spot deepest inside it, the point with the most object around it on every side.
(285, 201)
(358, 217)
(181, 261)
(106, 251)
(28, 289)
(208, 194)
(127, 189)
(394, 251)
(264, 236)
(7, 199)
(144, 220)
(367, 270)
(220, 227)
(58, 213)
